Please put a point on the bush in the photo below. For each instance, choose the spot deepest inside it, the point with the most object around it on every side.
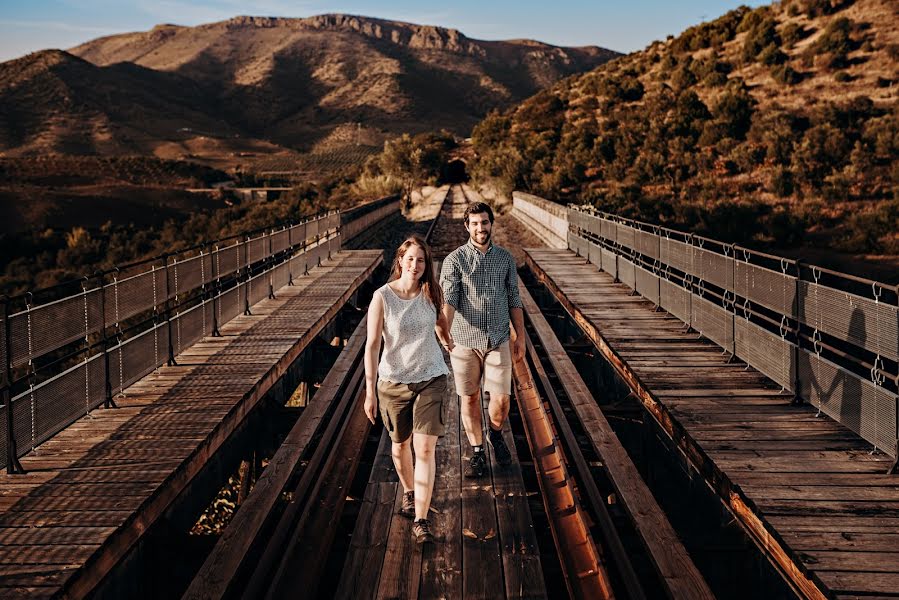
(792, 33)
(818, 8)
(759, 37)
(771, 55)
(781, 182)
(835, 43)
(785, 75)
(734, 111)
(842, 77)
(786, 227)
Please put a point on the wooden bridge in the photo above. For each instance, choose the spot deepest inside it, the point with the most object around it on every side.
(743, 372)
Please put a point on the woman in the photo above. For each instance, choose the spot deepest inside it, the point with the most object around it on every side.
(409, 383)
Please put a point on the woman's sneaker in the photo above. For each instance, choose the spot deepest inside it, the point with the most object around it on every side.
(407, 509)
(421, 530)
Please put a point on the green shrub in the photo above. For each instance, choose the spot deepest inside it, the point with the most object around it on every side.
(771, 55)
(792, 33)
(734, 111)
(759, 37)
(842, 77)
(785, 75)
(781, 182)
(835, 43)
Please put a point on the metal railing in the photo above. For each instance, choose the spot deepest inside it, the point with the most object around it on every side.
(828, 338)
(362, 218)
(69, 353)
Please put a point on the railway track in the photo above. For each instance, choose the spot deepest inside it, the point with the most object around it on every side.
(283, 538)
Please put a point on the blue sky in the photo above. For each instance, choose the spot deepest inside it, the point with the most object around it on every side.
(623, 25)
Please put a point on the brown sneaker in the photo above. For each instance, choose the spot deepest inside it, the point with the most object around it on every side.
(421, 531)
(408, 507)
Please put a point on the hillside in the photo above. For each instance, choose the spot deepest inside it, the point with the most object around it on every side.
(188, 92)
(777, 127)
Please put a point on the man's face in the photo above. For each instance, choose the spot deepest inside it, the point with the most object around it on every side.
(478, 227)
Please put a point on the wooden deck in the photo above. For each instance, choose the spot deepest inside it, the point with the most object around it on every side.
(486, 545)
(804, 488)
(93, 490)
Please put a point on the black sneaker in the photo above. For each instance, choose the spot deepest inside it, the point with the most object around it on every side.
(477, 466)
(500, 449)
(421, 531)
(407, 509)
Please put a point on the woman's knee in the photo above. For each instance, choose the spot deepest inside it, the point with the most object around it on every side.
(400, 448)
(425, 445)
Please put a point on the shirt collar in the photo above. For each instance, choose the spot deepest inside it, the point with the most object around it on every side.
(471, 245)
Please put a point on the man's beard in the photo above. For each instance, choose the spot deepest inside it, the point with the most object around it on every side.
(474, 237)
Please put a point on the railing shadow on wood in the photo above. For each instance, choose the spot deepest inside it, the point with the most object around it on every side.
(61, 358)
(828, 338)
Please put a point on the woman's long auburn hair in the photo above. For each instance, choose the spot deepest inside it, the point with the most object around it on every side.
(429, 286)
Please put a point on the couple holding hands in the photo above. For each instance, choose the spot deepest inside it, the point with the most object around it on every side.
(469, 312)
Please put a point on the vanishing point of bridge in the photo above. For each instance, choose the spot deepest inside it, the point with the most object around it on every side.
(692, 420)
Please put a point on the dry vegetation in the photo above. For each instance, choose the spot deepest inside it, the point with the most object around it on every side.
(777, 126)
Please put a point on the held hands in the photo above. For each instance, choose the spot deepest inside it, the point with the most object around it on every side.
(371, 406)
(449, 344)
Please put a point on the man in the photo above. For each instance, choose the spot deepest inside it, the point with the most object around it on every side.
(480, 285)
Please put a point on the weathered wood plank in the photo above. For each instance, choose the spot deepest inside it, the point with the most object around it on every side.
(779, 469)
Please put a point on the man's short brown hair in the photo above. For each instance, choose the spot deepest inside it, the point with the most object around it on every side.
(476, 208)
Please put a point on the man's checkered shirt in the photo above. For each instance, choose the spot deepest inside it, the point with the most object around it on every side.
(482, 288)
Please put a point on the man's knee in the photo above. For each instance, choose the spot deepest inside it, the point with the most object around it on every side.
(471, 401)
(500, 399)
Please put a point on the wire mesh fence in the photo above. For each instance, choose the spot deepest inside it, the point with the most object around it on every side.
(829, 338)
(64, 358)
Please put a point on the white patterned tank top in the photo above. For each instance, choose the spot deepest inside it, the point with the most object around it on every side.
(411, 352)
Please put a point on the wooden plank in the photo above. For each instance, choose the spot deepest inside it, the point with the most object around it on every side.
(401, 570)
(216, 575)
(482, 573)
(441, 566)
(310, 543)
(211, 406)
(362, 566)
(522, 570)
(541, 264)
(672, 562)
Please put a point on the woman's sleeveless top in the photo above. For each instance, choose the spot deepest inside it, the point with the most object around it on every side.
(411, 352)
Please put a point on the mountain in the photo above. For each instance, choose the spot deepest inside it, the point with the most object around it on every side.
(291, 83)
(777, 126)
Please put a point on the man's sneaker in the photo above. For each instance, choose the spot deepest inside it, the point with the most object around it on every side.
(500, 449)
(421, 531)
(408, 507)
(477, 466)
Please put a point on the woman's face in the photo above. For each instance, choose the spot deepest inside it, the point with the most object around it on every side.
(413, 263)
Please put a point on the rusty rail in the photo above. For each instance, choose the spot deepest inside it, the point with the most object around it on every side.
(584, 566)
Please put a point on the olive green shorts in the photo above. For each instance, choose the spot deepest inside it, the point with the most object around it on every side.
(408, 408)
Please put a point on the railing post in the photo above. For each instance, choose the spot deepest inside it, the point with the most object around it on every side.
(271, 268)
(13, 466)
(168, 311)
(216, 289)
(247, 276)
(797, 311)
(291, 251)
(108, 402)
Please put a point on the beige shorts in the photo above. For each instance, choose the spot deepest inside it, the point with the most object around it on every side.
(495, 365)
(408, 408)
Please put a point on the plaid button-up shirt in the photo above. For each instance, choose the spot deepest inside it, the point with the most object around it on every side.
(482, 288)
